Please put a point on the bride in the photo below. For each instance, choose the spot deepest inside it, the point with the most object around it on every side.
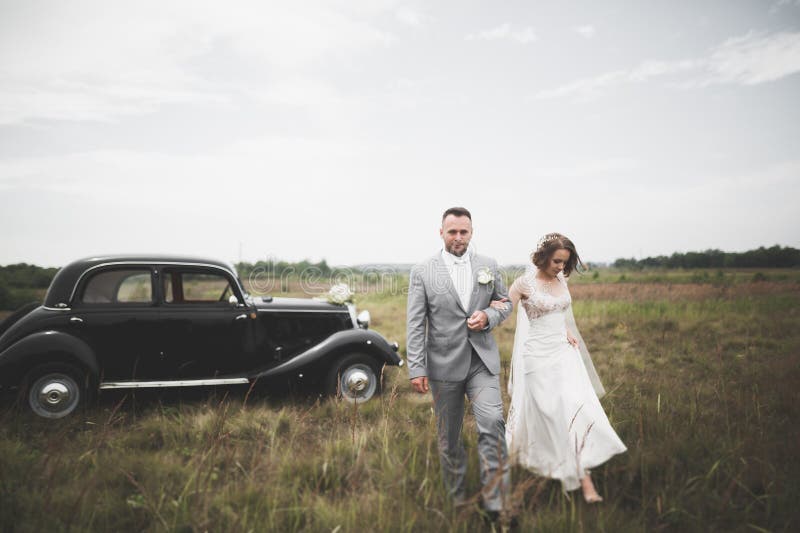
(556, 426)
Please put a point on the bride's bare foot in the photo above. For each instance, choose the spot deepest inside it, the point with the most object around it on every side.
(589, 492)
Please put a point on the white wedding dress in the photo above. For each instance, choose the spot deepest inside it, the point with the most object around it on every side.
(556, 426)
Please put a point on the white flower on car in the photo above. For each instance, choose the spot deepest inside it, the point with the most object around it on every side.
(340, 294)
(485, 276)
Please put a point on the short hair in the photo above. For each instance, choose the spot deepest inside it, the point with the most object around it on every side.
(547, 247)
(458, 212)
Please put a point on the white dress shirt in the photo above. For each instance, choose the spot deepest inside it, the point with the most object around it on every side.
(460, 270)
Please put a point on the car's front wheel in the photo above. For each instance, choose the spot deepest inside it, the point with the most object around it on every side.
(55, 390)
(354, 377)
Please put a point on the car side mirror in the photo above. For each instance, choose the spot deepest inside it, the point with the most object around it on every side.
(233, 300)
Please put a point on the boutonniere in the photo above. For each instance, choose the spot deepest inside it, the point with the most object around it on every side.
(485, 276)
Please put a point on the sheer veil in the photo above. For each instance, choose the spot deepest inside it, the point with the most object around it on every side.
(585, 356)
(521, 333)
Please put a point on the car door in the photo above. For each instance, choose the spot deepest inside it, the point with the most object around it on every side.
(114, 312)
(203, 335)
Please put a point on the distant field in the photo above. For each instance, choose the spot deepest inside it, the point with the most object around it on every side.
(702, 375)
(713, 276)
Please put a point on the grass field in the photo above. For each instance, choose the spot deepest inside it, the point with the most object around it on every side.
(703, 377)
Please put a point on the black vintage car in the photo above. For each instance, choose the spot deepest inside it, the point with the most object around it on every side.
(126, 322)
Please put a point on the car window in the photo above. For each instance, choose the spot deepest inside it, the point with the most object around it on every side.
(119, 286)
(195, 287)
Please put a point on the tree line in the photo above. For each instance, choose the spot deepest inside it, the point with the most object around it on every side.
(772, 257)
(22, 283)
(281, 269)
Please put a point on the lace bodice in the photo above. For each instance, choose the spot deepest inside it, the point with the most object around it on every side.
(543, 297)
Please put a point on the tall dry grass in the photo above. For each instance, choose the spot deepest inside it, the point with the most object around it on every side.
(703, 388)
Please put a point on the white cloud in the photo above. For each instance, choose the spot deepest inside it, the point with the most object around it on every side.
(747, 60)
(652, 69)
(783, 3)
(586, 88)
(587, 31)
(591, 169)
(505, 32)
(283, 186)
(99, 102)
(296, 163)
(754, 59)
(500, 32)
(410, 17)
(72, 62)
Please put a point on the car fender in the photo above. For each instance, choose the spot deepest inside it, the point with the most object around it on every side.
(355, 340)
(49, 341)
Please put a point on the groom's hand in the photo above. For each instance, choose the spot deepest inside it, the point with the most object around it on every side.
(420, 384)
(478, 321)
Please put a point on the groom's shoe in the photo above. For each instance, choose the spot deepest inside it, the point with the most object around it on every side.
(495, 519)
(491, 518)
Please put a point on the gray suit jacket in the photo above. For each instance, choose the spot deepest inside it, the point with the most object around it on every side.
(439, 344)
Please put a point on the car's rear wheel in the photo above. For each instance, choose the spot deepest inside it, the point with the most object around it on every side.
(354, 377)
(55, 390)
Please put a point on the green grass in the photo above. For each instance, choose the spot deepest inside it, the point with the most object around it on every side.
(703, 389)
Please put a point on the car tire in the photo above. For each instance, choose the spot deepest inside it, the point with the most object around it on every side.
(54, 390)
(355, 377)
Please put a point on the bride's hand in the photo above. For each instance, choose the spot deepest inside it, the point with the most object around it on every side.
(571, 339)
(499, 304)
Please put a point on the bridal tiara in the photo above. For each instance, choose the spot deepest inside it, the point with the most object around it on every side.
(550, 237)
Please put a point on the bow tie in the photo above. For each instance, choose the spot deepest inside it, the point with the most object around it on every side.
(460, 260)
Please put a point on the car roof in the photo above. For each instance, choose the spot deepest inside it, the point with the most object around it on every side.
(60, 291)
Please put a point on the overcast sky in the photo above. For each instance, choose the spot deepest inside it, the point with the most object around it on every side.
(342, 129)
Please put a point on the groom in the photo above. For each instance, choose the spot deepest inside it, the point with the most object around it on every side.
(451, 352)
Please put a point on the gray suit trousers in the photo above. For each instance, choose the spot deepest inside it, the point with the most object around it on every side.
(483, 390)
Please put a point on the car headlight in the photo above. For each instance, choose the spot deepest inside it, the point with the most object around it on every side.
(363, 319)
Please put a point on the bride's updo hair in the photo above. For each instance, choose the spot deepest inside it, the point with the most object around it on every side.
(548, 245)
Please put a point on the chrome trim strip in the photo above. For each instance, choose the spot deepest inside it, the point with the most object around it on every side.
(57, 308)
(148, 265)
(179, 383)
(329, 311)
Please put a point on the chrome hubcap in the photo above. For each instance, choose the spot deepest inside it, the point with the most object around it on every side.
(358, 383)
(54, 394)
